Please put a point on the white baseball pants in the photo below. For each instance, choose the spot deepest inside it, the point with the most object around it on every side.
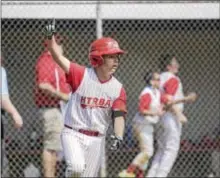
(168, 146)
(82, 153)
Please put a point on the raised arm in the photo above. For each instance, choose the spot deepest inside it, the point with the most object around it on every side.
(58, 57)
(49, 32)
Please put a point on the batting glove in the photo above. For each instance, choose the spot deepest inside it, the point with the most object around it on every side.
(116, 142)
(49, 30)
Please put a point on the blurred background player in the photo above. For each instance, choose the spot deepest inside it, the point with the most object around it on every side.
(152, 105)
(169, 138)
(150, 109)
(97, 98)
(7, 106)
(50, 91)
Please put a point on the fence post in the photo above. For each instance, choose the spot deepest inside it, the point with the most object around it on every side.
(98, 20)
(103, 168)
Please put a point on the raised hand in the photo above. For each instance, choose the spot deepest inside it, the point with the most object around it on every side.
(49, 30)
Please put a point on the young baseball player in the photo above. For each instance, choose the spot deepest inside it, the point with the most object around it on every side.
(150, 109)
(169, 139)
(97, 98)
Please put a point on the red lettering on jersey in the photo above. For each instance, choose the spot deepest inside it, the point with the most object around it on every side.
(89, 99)
(101, 102)
(108, 103)
(90, 102)
(83, 100)
(95, 101)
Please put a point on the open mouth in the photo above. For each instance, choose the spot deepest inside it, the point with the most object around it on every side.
(114, 69)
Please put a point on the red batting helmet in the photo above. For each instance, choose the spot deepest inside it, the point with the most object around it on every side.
(103, 46)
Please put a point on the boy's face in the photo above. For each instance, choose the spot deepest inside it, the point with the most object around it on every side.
(110, 63)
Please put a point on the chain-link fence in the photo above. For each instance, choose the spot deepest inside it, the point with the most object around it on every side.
(194, 42)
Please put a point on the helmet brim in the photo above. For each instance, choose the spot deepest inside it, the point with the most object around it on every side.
(113, 51)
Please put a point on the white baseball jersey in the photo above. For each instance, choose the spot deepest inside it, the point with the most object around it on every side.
(171, 84)
(155, 103)
(90, 105)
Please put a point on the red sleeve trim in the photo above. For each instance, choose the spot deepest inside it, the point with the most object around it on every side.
(75, 75)
(144, 102)
(171, 86)
(120, 103)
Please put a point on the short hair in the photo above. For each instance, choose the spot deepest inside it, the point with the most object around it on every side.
(165, 61)
(149, 76)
